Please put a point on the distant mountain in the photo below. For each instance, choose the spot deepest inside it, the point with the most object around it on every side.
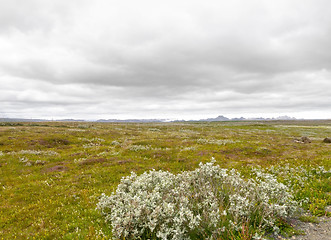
(132, 120)
(223, 118)
(80, 120)
(238, 119)
(285, 118)
(274, 118)
(70, 120)
(219, 118)
(38, 120)
(21, 120)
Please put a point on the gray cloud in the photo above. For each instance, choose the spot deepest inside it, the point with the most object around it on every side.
(155, 58)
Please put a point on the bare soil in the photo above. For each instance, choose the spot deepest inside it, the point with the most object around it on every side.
(314, 231)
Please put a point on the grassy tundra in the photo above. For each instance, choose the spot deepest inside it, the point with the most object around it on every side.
(52, 174)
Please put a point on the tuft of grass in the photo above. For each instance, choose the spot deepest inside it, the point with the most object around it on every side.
(307, 218)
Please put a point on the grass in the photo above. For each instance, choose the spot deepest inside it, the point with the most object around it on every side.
(52, 174)
(307, 218)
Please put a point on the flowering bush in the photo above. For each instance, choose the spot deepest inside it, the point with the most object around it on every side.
(207, 203)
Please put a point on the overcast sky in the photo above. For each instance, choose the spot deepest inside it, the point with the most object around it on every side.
(173, 59)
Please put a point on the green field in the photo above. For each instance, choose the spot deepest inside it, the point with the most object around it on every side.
(53, 173)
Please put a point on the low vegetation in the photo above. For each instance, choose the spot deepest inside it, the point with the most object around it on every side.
(61, 180)
(208, 202)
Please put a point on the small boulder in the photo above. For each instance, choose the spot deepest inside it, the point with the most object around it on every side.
(302, 140)
(305, 140)
(327, 140)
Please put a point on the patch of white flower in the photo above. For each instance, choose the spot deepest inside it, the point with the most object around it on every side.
(191, 148)
(137, 148)
(154, 130)
(161, 149)
(23, 159)
(79, 160)
(200, 204)
(189, 131)
(36, 152)
(92, 143)
(1, 153)
(216, 141)
(83, 126)
(76, 130)
(102, 154)
(116, 143)
(99, 140)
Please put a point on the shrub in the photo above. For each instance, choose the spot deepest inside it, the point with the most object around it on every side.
(207, 203)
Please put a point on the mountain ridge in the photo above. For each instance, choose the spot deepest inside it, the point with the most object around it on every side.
(219, 118)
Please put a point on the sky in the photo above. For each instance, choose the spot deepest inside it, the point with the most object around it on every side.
(174, 59)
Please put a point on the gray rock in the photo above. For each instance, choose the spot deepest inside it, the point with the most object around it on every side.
(303, 140)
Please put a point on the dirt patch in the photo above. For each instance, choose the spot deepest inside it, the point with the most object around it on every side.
(124, 161)
(105, 161)
(203, 153)
(115, 161)
(49, 143)
(232, 156)
(182, 159)
(78, 154)
(57, 168)
(162, 155)
(93, 161)
(314, 231)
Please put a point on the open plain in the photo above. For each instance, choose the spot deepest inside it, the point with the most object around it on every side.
(53, 173)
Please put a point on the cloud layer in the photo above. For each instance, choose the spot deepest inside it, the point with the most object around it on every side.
(177, 59)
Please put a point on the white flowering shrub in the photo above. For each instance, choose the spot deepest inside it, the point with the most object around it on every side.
(261, 200)
(217, 142)
(92, 143)
(137, 148)
(207, 203)
(35, 152)
(116, 143)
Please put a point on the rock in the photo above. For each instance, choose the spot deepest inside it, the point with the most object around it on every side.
(302, 140)
(327, 140)
(305, 140)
